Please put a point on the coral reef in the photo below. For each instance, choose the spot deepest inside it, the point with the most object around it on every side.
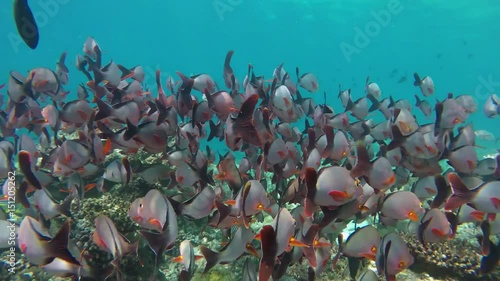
(456, 259)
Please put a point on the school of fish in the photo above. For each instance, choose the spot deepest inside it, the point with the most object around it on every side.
(344, 167)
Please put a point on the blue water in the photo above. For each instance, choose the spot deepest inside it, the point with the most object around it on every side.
(454, 42)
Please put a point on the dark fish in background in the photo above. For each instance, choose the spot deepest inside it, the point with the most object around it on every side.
(25, 23)
(489, 262)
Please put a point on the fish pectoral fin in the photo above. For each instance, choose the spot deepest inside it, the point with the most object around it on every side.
(338, 195)
(89, 186)
(368, 256)
(438, 232)
(496, 202)
(156, 223)
(230, 202)
(477, 215)
(430, 190)
(296, 243)
(178, 259)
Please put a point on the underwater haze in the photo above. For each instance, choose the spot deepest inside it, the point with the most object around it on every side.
(455, 42)
(128, 161)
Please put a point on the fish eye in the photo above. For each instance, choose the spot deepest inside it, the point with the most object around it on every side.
(401, 264)
(140, 205)
(374, 249)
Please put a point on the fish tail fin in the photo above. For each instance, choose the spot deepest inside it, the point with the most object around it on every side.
(211, 257)
(156, 241)
(107, 133)
(307, 125)
(311, 135)
(126, 73)
(104, 110)
(133, 248)
(131, 131)
(21, 194)
(375, 103)
(244, 125)
(311, 180)
(489, 262)
(227, 60)
(349, 105)
(328, 130)
(439, 110)
(65, 207)
(223, 209)
(418, 81)
(397, 138)
(418, 101)
(173, 181)
(58, 246)
(209, 98)
(213, 130)
(363, 164)
(486, 229)
(162, 112)
(185, 79)
(421, 230)
(24, 160)
(98, 75)
(461, 194)
(177, 206)
(443, 191)
(497, 171)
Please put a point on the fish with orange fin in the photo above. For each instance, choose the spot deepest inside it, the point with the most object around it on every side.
(187, 260)
(49, 208)
(401, 205)
(362, 243)
(229, 172)
(39, 246)
(150, 211)
(251, 200)
(24, 160)
(393, 256)
(378, 173)
(434, 227)
(158, 241)
(241, 128)
(284, 230)
(233, 250)
(108, 239)
(321, 192)
(484, 198)
(308, 81)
